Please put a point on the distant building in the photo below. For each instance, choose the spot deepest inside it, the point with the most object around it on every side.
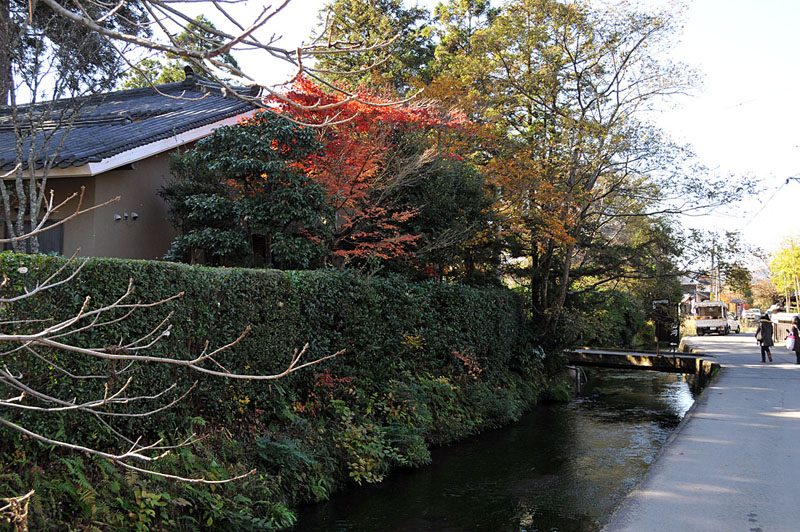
(694, 291)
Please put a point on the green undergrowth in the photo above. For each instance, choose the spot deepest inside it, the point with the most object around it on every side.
(423, 364)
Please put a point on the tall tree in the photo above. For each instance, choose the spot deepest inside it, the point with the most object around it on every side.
(454, 220)
(563, 83)
(720, 256)
(359, 22)
(739, 281)
(35, 36)
(458, 22)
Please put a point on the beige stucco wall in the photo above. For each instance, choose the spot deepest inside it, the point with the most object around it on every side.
(82, 225)
(98, 234)
(148, 236)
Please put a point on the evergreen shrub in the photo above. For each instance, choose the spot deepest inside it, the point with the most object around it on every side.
(423, 363)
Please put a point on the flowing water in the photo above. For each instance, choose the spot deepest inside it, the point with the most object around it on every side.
(560, 468)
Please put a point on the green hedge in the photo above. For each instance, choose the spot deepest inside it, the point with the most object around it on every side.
(602, 318)
(423, 363)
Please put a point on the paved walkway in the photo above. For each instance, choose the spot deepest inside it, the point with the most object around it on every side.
(734, 464)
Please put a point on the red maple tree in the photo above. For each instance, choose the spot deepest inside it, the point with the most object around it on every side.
(363, 165)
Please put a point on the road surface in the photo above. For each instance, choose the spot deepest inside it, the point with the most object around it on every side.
(734, 463)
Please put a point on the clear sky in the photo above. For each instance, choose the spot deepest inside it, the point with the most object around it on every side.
(742, 121)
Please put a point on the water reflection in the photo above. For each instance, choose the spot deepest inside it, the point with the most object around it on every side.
(560, 468)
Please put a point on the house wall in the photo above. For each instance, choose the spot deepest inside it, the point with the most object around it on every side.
(149, 235)
(97, 233)
(77, 232)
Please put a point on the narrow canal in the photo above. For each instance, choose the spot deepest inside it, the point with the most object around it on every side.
(560, 468)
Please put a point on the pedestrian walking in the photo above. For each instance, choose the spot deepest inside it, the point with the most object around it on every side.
(796, 334)
(764, 337)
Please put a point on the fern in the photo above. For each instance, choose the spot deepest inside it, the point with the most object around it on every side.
(86, 495)
(287, 454)
(131, 477)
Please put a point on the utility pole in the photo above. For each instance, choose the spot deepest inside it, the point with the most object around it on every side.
(713, 269)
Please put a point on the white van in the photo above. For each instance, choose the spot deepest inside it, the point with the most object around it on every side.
(712, 316)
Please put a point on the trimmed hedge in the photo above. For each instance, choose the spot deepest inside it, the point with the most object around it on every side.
(424, 363)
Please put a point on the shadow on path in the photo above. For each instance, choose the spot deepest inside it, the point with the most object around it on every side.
(735, 463)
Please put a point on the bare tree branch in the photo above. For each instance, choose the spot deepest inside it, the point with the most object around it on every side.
(51, 334)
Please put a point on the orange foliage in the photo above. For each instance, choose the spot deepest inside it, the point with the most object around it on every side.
(359, 142)
(534, 201)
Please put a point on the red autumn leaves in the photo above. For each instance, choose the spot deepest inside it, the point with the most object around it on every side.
(361, 165)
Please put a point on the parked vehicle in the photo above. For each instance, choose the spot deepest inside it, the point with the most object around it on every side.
(733, 324)
(775, 309)
(712, 316)
(751, 314)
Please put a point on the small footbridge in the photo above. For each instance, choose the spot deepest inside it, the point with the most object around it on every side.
(699, 366)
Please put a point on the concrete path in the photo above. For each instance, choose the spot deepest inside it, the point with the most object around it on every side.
(734, 464)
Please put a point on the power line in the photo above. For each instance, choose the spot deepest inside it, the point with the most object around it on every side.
(764, 206)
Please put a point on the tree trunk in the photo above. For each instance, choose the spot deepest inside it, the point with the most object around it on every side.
(5, 51)
(543, 273)
(552, 318)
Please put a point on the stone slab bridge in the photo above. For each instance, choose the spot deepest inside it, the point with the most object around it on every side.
(699, 366)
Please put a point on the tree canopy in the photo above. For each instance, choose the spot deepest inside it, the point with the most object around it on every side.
(37, 40)
(241, 197)
(785, 271)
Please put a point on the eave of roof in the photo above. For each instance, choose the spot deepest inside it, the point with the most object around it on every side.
(125, 126)
(139, 153)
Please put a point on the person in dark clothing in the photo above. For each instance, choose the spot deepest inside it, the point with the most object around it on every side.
(796, 334)
(764, 337)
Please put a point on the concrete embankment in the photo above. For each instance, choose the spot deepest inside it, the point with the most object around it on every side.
(734, 464)
(702, 368)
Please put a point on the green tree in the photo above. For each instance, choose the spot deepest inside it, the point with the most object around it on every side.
(740, 281)
(454, 219)
(168, 67)
(363, 23)
(458, 22)
(241, 197)
(721, 256)
(152, 72)
(37, 40)
(639, 256)
(785, 272)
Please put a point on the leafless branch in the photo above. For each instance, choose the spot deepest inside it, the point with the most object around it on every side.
(136, 452)
(15, 511)
(50, 209)
(42, 337)
(172, 20)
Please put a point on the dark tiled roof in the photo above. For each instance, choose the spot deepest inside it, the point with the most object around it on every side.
(116, 122)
